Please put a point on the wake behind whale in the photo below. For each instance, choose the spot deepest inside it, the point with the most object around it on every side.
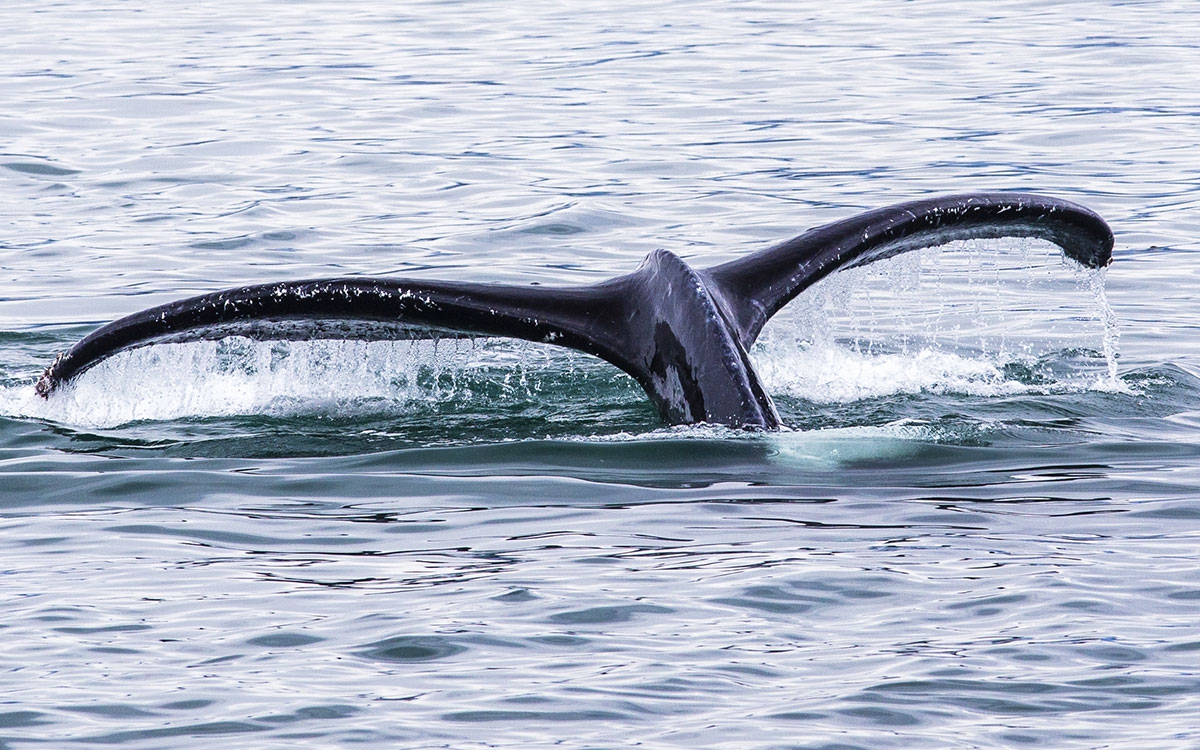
(682, 334)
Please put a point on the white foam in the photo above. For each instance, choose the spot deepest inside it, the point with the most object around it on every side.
(239, 376)
(833, 374)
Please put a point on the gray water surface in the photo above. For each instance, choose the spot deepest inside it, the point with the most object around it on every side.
(979, 529)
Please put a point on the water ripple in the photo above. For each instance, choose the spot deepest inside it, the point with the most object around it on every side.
(974, 535)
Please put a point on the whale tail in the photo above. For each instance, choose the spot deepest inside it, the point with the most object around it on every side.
(682, 334)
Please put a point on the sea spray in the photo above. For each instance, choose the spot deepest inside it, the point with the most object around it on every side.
(972, 318)
(241, 376)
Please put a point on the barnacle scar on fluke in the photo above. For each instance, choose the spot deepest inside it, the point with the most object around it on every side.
(681, 333)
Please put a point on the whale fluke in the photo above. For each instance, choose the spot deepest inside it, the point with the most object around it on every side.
(682, 334)
(760, 284)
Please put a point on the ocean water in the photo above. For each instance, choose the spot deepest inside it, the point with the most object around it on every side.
(979, 528)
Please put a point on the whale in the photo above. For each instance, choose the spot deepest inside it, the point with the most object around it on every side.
(682, 333)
